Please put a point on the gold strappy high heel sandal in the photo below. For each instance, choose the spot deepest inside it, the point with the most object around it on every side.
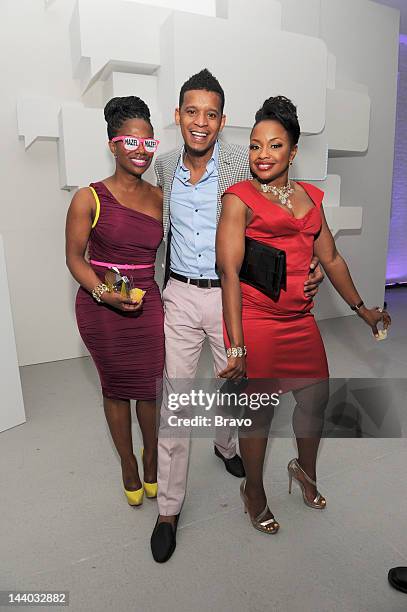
(293, 469)
(266, 526)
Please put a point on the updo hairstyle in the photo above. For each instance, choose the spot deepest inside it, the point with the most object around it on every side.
(280, 109)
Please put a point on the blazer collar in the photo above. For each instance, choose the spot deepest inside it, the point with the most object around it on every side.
(173, 162)
(225, 152)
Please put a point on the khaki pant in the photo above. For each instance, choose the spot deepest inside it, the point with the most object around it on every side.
(191, 315)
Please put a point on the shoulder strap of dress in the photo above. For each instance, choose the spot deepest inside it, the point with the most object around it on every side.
(315, 193)
(239, 189)
(97, 214)
(243, 190)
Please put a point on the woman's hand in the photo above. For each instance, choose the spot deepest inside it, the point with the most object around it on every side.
(315, 278)
(235, 370)
(372, 316)
(116, 300)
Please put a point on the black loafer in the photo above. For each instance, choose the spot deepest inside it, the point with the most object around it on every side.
(163, 540)
(234, 465)
(398, 578)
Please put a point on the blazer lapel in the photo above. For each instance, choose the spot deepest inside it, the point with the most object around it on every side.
(169, 169)
(225, 173)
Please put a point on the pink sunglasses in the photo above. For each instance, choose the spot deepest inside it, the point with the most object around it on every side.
(131, 143)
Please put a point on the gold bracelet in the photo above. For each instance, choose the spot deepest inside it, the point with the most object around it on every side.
(99, 290)
(236, 351)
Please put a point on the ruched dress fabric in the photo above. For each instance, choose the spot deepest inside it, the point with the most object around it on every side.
(281, 335)
(127, 347)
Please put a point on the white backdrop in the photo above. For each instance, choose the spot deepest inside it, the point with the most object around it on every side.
(70, 58)
(12, 407)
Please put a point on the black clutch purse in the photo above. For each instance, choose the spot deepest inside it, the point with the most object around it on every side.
(264, 268)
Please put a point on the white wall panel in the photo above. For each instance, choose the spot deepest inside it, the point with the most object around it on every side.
(202, 7)
(311, 161)
(126, 84)
(347, 120)
(83, 151)
(48, 333)
(363, 36)
(115, 35)
(331, 75)
(331, 187)
(243, 15)
(12, 406)
(339, 218)
(37, 117)
(343, 218)
(301, 17)
(294, 65)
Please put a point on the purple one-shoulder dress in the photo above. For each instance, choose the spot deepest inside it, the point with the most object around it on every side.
(127, 347)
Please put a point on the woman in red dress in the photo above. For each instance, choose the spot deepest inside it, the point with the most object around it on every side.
(120, 220)
(281, 335)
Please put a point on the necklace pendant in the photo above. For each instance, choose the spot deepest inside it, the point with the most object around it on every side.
(282, 193)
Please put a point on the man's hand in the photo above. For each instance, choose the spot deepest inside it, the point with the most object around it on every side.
(315, 278)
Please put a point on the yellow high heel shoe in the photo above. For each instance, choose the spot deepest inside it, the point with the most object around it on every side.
(150, 488)
(135, 498)
(294, 468)
(266, 526)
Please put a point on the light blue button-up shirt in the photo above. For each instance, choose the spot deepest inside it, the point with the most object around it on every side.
(193, 220)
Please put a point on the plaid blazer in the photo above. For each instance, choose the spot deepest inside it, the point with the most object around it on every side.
(233, 166)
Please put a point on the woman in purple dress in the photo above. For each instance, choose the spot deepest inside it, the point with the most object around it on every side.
(119, 220)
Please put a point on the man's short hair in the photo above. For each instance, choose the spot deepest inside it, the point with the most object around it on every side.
(203, 80)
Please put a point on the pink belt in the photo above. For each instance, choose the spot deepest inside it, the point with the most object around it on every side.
(120, 266)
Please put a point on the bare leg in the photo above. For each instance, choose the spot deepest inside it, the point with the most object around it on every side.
(253, 445)
(118, 417)
(308, 424)
(253, 451)
(146, 414)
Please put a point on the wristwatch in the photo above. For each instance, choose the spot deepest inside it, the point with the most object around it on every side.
(357, 307)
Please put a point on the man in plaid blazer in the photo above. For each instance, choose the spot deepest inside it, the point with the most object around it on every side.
(193, 180)
(233, 167)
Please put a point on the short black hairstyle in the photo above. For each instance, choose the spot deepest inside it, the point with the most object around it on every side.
(118, 110)
(203, 80)
(280, 109)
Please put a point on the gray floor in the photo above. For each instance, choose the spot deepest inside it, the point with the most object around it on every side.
(65, 524)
